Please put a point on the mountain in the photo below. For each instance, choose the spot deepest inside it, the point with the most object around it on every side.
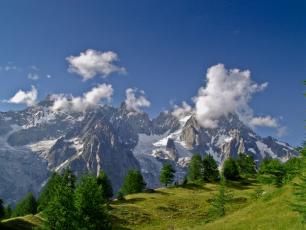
(37, 140)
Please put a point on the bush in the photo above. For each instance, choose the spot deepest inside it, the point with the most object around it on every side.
(230, 169)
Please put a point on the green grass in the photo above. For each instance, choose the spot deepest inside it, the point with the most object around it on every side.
(189, 208)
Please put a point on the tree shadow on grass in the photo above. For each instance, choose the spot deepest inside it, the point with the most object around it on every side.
(195, 187)
(129, 201)
(241, 184)
(16, 224)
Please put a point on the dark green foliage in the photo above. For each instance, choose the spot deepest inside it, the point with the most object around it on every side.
(221, 199)
(120, 196)
(300, 196)
(210, 169)
(48, 191)
(106, 186)
(60, 212)
(69, 178)
(133, 182)
(293, 167)
(272, 171)
(246, 164)
(166, 174)
(2, 209)
(90, 205)
(26, 206)
(230, 169)
(195, 169)
(8, 212)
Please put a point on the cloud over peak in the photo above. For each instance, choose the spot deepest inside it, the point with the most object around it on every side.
(135, 100)
(91, 63)
(78, 104)
(25, 97)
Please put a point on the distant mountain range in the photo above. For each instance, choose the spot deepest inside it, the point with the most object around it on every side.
(37, 140)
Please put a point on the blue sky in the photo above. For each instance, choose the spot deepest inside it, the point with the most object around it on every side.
(166, 48)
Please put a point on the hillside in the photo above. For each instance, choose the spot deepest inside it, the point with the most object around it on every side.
(189, 208)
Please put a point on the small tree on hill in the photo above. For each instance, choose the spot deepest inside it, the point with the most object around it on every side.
(272, 171)
(166, 174)
(230, 169)
(133, 183)
(106, 186)
(27, 205)
(90, 204)
(210, 169)
(195, 169)
(246, 164)
(219, 201)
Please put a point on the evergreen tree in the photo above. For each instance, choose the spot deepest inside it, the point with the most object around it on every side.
(167, 174)
(210, 169)
(195, 169)
(220, 200)
(133, 182)
(272, 171)
(27, 205)
(106, 186)
(230, 169)
(299, 204)
(60, 212)
(246, 164)
(2, 209)
(48, 191)
(90, 205)
(69, 178)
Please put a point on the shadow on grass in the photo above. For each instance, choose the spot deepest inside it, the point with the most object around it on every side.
(192, 186)
(241, 184)
(129, 201)
(16, 224)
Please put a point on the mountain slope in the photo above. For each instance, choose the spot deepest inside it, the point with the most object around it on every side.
(38, 140)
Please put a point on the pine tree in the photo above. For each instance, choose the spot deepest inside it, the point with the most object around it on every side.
(272, 171)
(220, 200)
(299, 204)
(246, 164)
(194, 174)
(106, 186)
(27, 205)
(133, 183)
(48, 191)
(60, 212)
(210, 169)
(167, 174)
(90, 205)
(230, 169)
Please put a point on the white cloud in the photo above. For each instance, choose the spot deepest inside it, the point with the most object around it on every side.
(266, 121)
(91, 63)
(48, 76)
(134, 102)
(25, 97)
(89, 99)
(33, 76)
(226, 91)
(281, 131)
(8, 67)
(180, 111)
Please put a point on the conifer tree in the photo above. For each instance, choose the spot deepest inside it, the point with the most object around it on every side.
(106, 186)
(90, 205)
(195, 169)
(133, 183)
(246, 164)
(27, 205)
(2, 209)
(167, 174)
(230, 169)
(210, 169)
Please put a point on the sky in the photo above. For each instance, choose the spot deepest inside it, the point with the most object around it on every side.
(156, 54)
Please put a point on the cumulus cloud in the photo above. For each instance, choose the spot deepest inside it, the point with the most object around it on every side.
(78, 104)
(33, 76)
(226, 91)
(180, 111)
(91, 63)
(134, 102)
(25, 97)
